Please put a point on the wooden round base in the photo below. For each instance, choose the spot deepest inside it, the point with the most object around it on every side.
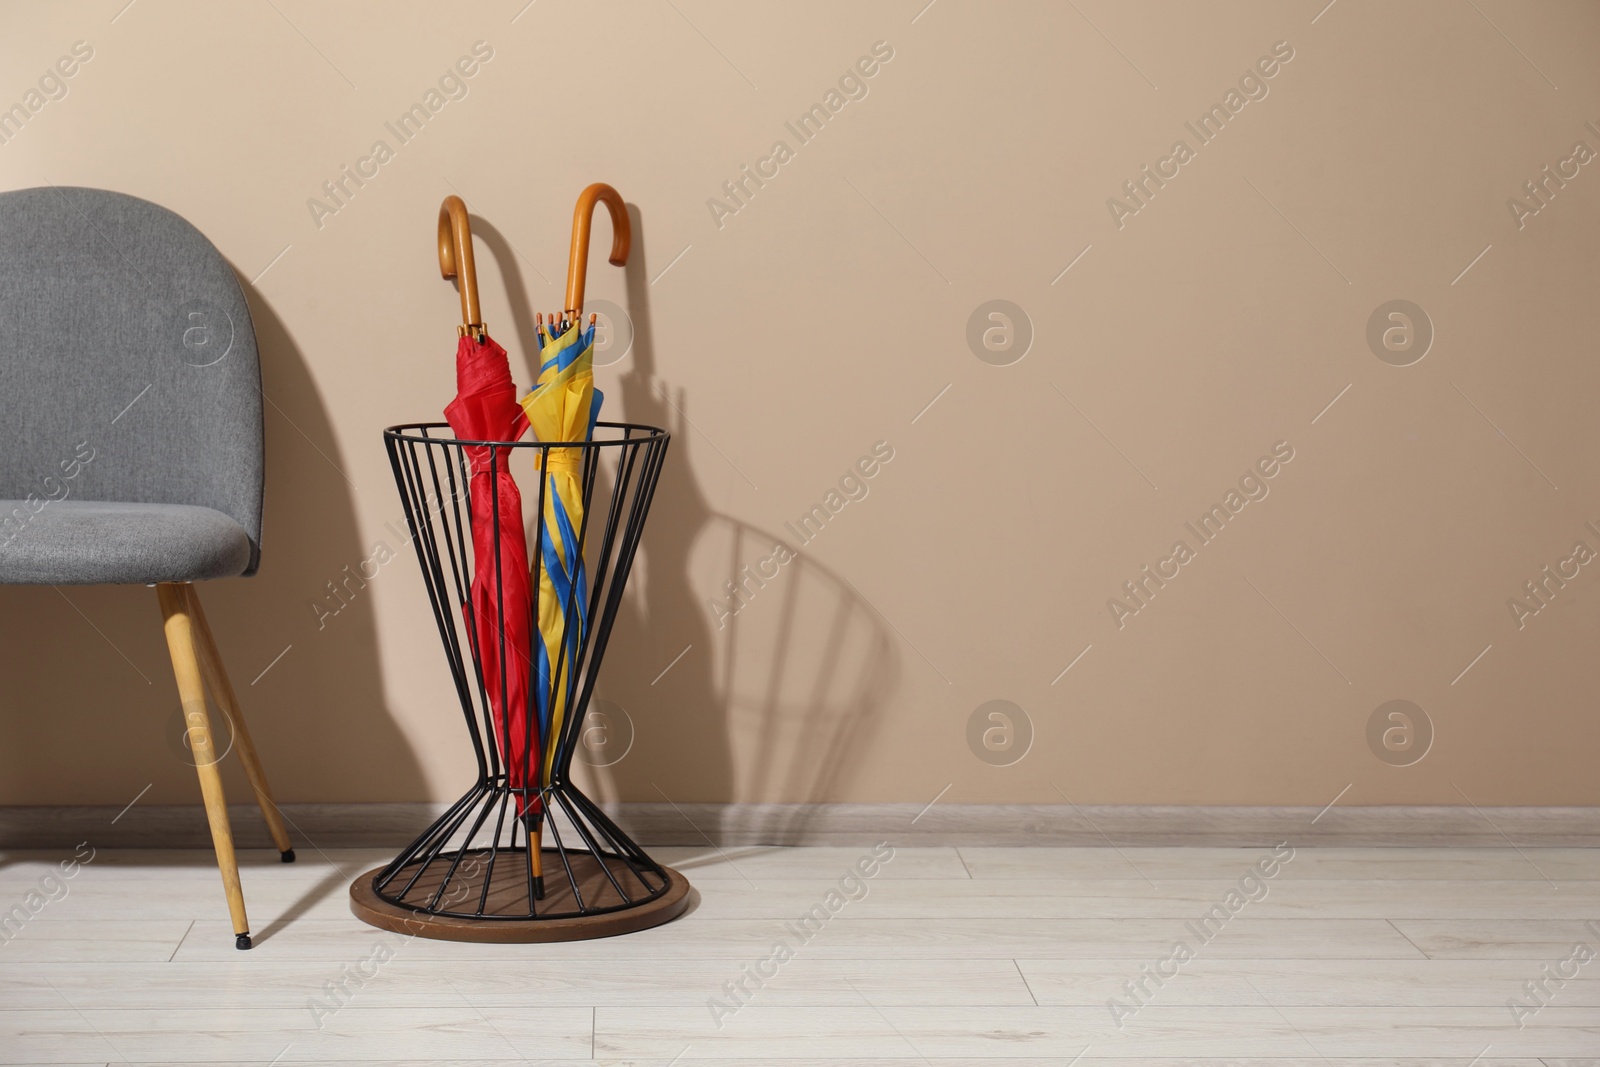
(372, 909)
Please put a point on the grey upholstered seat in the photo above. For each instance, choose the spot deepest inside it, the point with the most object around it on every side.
(130, 396)
(86, 542)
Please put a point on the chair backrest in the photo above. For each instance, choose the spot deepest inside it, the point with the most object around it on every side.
(124, 338)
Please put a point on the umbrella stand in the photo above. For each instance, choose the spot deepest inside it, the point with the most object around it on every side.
(473, 874)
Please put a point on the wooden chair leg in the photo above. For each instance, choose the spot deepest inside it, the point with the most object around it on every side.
(180, 630)
(221, 689)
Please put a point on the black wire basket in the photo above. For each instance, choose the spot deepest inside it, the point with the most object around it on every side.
(523, 856)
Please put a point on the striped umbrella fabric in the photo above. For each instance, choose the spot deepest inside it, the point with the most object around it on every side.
(562, 406)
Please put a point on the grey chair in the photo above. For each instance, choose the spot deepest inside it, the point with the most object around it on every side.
(130, 437)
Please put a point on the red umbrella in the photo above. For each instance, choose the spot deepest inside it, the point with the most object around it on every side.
(499, 613)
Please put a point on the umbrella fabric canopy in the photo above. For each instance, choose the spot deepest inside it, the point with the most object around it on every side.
(563, 406)
(499, 610)
(499, 613)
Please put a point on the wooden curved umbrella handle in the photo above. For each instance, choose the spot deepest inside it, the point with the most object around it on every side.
(455, 260)
(582, 219)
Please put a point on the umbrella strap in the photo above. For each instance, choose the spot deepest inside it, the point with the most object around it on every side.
(562, 459)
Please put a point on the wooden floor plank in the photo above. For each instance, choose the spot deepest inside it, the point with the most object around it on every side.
(49, 938)
(175, 1035)
(1089, 1060)
(742, 862)
(1262, 1031)
(1518, 939)
(404, 981)
(1325, 983)
(848, 938)
(1366, 864)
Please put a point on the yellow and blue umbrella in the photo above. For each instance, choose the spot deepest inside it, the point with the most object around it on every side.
(563, 406)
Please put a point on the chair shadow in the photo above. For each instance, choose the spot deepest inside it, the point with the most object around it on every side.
(332, 882)
(165, 860)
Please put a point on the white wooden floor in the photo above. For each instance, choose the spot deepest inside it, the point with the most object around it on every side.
(1002, 956)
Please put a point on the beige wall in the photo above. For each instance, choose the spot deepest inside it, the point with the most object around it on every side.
(825, 315)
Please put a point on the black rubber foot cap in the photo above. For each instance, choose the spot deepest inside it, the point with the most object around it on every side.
(241, 941)
(538, 889)
(287, 855)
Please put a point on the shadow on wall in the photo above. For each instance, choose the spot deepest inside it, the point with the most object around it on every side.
(91, 712)
(770, 704)
(510, 265)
